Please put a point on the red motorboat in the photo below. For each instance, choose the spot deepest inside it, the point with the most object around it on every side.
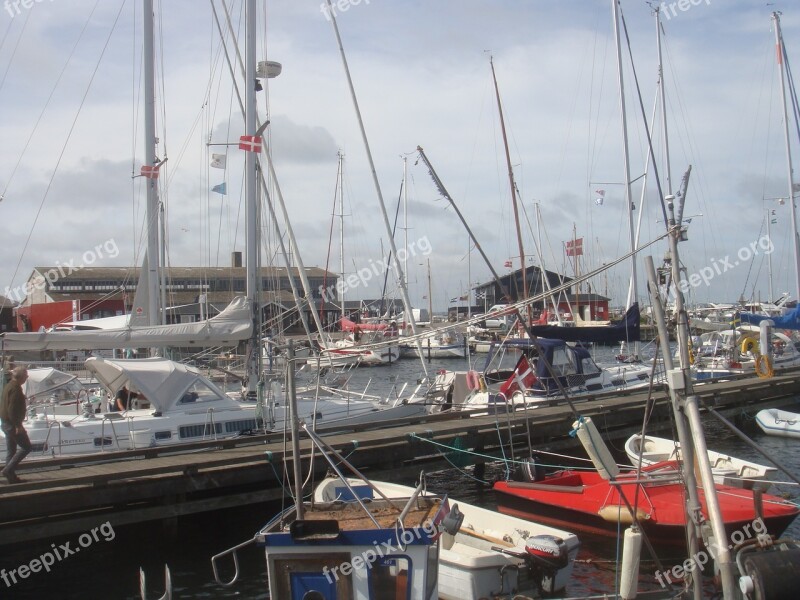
(584, 501)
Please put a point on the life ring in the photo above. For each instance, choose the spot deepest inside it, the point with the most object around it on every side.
(473, 381)
(750, 344)
(764, 368)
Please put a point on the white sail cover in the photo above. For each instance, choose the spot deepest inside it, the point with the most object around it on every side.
(230, 326)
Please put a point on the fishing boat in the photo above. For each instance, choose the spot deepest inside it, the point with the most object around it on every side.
(585, 501)
(492, 555)
(728, 470)
(774, 421)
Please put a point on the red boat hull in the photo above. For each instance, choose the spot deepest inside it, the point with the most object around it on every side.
(583, 501)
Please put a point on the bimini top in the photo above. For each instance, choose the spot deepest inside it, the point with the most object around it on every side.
(165, 383)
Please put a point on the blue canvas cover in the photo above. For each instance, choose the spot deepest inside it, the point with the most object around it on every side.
(791, 320)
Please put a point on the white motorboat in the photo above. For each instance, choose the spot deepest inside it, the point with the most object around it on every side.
(491, 556)
(774, 421)
(728, 470)
(183, 406)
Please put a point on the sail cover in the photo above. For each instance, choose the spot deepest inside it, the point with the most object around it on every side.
(791, 320)
(626, 330)
(230, 326)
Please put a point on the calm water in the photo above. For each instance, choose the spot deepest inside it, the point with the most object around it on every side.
(109, 569)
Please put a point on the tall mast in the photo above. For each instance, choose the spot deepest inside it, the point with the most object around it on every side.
(628, 198)
(662, 91)
(789, 171)
(430, 296)
(513, 193)
(153, 262)
(251, 200)
(405, 217)
(341, 228)
(398, 268)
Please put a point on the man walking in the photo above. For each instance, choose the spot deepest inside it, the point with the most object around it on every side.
(12, 414)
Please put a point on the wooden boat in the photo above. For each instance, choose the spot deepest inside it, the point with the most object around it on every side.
(774, 421)
(727, 470)
(492, 555)
(584, 501)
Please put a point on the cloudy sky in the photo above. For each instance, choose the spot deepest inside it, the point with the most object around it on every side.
(71, 131)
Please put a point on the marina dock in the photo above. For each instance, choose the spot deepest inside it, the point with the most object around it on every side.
(66, 495)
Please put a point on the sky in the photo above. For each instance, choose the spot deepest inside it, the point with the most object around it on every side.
(71, 125)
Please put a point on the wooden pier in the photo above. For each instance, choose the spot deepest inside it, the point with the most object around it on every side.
(67, 495)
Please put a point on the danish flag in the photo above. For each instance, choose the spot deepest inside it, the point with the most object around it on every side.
(150, 171)
(250, 143)
(522, 378)
(574, 247)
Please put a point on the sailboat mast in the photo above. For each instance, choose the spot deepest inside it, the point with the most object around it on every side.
(251, 200)
(153, 264)
(405, 218)
(779, 47)
(513, 192)
(430, 296)
(628, 199)
(341, 230)
(663, 93)
(398, 268)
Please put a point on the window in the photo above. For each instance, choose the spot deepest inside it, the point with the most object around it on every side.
(390, 578)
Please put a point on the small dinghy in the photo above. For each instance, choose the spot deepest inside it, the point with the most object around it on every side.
(774, 421)
(728, 470)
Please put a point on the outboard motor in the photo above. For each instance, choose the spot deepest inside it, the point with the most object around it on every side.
(546, 555)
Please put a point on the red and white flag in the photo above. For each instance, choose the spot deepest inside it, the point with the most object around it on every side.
(250, 143)
(522, 378)
(574, 247)
(508, 264)
(150, 171)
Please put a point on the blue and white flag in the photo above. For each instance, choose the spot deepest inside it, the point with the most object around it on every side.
(219, 188)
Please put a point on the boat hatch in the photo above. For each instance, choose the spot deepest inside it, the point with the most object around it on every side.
(314, 529)
(100, 442)
(160, 436)
(361, 491)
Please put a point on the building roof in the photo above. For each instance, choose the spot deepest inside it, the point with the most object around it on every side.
(7, 302)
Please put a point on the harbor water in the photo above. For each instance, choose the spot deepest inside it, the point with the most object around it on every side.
(103, 562)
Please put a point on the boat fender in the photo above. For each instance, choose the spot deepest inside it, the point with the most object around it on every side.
(595, 447)
(472, 381)
(771, 574)
(547, 551)
(631, 551)
(616, 513)
(482, 384)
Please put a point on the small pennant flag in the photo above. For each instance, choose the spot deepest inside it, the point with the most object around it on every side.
(220, 188)
(480, 296)
(599, 201)
(508, 264)
(218, 161)
(601, 194)
(250, 143)
(464, 297)
(150, 171)
(453, 299)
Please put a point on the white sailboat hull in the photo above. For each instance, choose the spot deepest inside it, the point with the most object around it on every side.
(728, 470)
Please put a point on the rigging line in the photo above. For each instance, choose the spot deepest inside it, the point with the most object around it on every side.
(644, 119)
(66, 142)
(5, 35)
(792, 90)
(16, 47)
(50, 97)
